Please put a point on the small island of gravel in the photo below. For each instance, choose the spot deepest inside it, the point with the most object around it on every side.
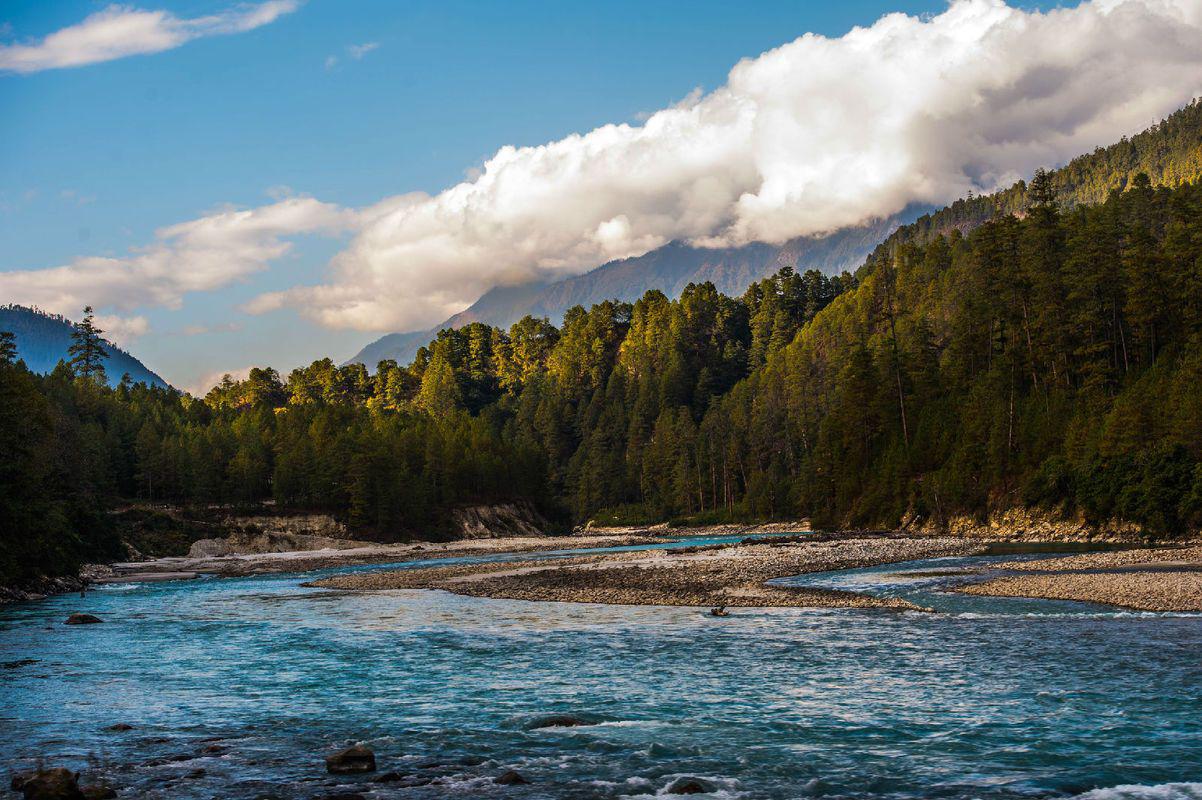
(1159, 579)
(720, 575)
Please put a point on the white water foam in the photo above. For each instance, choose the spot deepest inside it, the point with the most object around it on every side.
(1163, 791)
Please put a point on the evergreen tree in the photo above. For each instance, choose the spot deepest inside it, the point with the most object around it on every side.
(87, 349)
(8, 347)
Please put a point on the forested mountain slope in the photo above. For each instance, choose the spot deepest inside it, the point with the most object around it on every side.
(669, 269)
(1050, 357)
(1170, 153)
(42, 341)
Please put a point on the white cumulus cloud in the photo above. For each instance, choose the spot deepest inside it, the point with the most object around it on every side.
(814, 135)
(119, 31)
(121, 330)
(196, 256)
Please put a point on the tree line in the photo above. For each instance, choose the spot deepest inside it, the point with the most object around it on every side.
(1051, 357)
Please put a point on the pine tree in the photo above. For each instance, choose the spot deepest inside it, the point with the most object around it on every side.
(87, 349)
(8, 347)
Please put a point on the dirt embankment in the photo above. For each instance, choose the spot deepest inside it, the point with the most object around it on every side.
(1030, 525)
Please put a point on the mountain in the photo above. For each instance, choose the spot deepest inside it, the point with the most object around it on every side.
(43, 339)
(1170, 153)
(669, 268)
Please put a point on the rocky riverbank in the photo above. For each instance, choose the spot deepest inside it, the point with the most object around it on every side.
(722, 575)
(1149, 579)
(344, 553)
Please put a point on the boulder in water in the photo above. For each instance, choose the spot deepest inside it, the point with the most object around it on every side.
(352, 760)
(120, 727)
(56, 783)
(555, 721)
(82, 619)
(98, 791)
(510, 778)
(691, 786)
(389, 777)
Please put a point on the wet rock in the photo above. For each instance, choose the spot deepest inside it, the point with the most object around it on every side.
(691, 786)
(555, 721)
(49, 784)
(196, 773)
(389, 777)
(82, 619)
(120, 727)
(215, 750)
(24, 662)
(98, 791)
(510, 778)
(352, 760)
(344, 796)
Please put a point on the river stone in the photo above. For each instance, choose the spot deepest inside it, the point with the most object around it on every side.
(49, 784)
(98, 791)
(510, 778)
(120, 727)
(351, 761)
(389, 777)
(82, 619)
(691, 786)
(555, 721)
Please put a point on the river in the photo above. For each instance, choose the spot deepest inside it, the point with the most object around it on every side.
(237, 688)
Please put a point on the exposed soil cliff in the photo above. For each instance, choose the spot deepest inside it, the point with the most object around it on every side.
(497, 521)
(1030, 525)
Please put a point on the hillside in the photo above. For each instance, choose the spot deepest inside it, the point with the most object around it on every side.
(669, 269)
(1047, 359)
(43, 339)
(1169, 153)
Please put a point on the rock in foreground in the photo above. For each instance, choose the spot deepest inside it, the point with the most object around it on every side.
(510, 778)
(351, 761)
(49, 784)
(82, 619)
(691, 786)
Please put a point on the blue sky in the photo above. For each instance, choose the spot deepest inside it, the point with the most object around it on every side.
(95, 158)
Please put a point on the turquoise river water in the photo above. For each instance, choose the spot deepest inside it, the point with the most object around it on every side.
(237, 688)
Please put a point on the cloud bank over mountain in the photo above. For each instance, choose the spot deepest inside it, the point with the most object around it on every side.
(812, 136)
(815, 135)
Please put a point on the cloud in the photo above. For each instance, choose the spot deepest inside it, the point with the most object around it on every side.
(196, 256)
(119, 31)
(76, 198)
(201, 386)
(817, 134)
(814, 135)
(199, 330)
(355, 52)
(121, 330)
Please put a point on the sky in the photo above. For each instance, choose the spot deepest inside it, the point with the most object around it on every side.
(273, 181)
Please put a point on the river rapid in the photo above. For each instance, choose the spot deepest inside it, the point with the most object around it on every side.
(237, 688)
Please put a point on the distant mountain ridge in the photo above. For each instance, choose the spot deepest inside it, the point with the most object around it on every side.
(1169, 152)
(43, 340)
(669, 268)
